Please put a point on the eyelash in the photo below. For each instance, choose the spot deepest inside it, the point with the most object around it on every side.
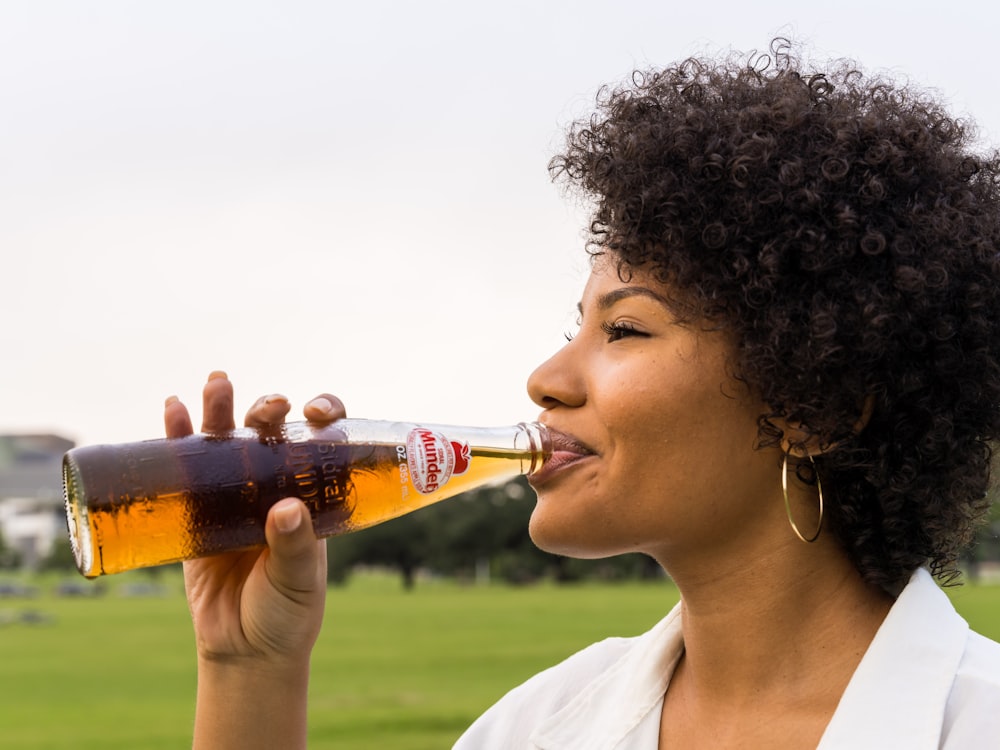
(570, 335)
(619, 330)
(614, 331)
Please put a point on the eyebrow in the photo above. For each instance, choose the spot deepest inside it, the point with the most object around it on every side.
(616, 295)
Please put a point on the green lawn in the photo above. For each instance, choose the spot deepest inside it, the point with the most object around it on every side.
(391, 670)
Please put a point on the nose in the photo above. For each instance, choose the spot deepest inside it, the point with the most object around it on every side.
(558, 381)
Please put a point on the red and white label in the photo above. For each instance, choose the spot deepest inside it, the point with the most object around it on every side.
(433, 459)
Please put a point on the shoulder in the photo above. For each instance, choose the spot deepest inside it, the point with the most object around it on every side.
(594, 699)
(926, 681)
(980, 663)
(972, 715)
(510, 721)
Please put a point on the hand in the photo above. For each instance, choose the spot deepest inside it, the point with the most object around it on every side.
(260, 607)
(256, 614)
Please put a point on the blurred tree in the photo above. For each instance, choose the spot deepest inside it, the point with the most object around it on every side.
(60, 557)
(9, 557)
(456, 537)
(986, 548)
(341, 556)
(481, 528)
(480, 535)
(400, 544)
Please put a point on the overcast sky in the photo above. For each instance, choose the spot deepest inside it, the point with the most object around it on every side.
(339, 196)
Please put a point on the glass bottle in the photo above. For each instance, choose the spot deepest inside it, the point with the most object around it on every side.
(152, 502)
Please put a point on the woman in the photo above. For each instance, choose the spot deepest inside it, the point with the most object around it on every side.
(784, 388)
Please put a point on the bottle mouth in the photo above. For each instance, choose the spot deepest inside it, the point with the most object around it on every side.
(77, 518)
(539, 445)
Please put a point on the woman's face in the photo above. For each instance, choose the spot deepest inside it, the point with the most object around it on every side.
(654, 446)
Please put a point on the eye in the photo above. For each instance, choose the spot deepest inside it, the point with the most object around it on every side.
(570, 335)
(620, 329)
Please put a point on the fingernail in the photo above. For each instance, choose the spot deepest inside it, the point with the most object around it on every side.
(321, 404)
(287, 516)
(170, 401)
(275, 398)
(216, 374)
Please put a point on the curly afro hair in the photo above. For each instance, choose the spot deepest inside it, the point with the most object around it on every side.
(846, 231)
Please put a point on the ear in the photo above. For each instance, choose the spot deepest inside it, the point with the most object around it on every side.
(797, 441)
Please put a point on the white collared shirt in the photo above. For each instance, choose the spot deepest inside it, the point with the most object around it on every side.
(926, 682)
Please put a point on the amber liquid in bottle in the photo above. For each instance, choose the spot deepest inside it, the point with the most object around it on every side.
(148, 503)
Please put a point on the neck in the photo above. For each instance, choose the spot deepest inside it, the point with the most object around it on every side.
(792, 626)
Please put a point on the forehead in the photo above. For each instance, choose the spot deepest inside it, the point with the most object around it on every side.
(605, 286)
(685, 305)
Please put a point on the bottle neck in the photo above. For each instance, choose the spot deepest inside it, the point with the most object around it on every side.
(537, 442)
(528, 441)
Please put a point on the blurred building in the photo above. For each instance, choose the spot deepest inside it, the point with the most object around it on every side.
(31, 502)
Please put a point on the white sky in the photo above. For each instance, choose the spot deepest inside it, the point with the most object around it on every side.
(339, 196)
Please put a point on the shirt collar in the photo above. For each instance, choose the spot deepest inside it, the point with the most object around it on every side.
(617, 701)
(896, 698)
(899, 692)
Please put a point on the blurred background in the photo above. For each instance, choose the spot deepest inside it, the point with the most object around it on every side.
(326, 196)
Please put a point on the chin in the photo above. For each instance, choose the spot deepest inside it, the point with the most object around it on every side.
(548, 535)
(561, 538)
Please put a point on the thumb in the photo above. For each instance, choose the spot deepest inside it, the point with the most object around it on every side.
(294, 557)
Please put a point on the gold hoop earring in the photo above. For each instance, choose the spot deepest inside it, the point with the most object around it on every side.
(788, 505)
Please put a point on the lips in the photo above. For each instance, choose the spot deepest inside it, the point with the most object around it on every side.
(566, 452)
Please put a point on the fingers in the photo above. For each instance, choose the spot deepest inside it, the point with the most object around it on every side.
(268, 410)
(217, 398)
(324, 408)
(293, 565)
(271, 410)
(176, 419)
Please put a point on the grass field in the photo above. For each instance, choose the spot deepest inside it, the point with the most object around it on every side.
(392, 669)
